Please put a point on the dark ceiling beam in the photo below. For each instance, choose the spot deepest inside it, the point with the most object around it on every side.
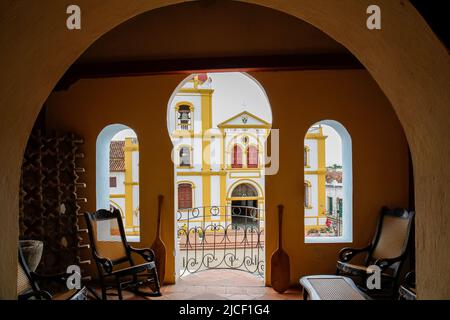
(195, 65)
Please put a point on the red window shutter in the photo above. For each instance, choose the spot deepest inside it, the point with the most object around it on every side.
(237, 157)
(252, 157)
(112, 182)
(184, 196)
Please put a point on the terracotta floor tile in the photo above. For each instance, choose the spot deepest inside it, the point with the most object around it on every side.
(218, 285)
(195, 289)
(216, 289)
(180, 296)
(271, 297)
(235, 290)
(241, 297)
(207, 296)
(256, 290)
(174, 288)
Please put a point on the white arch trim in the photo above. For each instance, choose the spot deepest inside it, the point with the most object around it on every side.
(102, 179)
(250, 182)
(347, 169)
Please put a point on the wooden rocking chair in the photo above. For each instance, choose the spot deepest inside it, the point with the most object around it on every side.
(120, 272)
(28, 285)
(387, 251)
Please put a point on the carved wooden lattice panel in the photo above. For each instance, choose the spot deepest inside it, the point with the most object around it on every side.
(49, 199)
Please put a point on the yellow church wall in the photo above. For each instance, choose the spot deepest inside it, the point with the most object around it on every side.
(380, 153)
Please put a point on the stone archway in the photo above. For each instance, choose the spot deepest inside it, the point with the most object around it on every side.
(413, 75)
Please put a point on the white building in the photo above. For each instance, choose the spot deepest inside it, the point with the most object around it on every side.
(124, 182)
(222, 166)
(335, 194)
(315, 171)
(216, 166)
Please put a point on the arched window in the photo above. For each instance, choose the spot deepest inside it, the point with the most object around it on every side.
(307, 194)
(306, 156)
(184, 196)
(328, 183)
(117, 175)
(236, 157)
(185, 157)
(184, 117)
(244, 190)
(252, 157)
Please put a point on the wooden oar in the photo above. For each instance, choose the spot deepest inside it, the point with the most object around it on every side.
(158, 245)
(280, 267)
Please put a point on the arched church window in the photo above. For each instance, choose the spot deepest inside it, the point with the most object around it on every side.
(185, 157)
(184, 117)
(236, 157)
(306, 156)
(252, 157)
(307, 194)
(184, 196)
(244, 190)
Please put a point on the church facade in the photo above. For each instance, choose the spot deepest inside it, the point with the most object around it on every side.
(216, 167)
(222, 167)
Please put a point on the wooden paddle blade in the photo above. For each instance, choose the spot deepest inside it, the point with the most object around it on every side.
(159, 249)
(158, 246)
(280, 271)
(280, 266)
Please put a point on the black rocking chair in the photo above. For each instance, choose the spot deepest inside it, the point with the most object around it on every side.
(388, 251)
(111, 275)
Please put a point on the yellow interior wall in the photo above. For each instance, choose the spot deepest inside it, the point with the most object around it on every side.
(380, 157)
(139, 103)
(298, 99)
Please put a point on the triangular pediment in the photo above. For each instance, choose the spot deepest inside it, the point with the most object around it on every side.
(244, 119)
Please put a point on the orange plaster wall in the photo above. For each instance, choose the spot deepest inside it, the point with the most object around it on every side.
(139, 103)
(380, 156)
(298, 99)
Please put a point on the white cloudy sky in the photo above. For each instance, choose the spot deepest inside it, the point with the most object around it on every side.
(235, 92)
(127, 133)
(333, 146)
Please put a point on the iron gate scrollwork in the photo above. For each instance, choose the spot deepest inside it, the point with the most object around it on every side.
(218, 237)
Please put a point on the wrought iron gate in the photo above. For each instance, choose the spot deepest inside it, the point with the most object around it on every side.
(217, 237)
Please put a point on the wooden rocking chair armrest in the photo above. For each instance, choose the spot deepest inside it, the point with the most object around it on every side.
(347, 254)
(145, 253)
(40, 294)
(410, 279)
(105, 263)
(385, 263)
(133, 270)
(56, 277)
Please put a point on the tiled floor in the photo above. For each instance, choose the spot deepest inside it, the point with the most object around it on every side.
(220, 285)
